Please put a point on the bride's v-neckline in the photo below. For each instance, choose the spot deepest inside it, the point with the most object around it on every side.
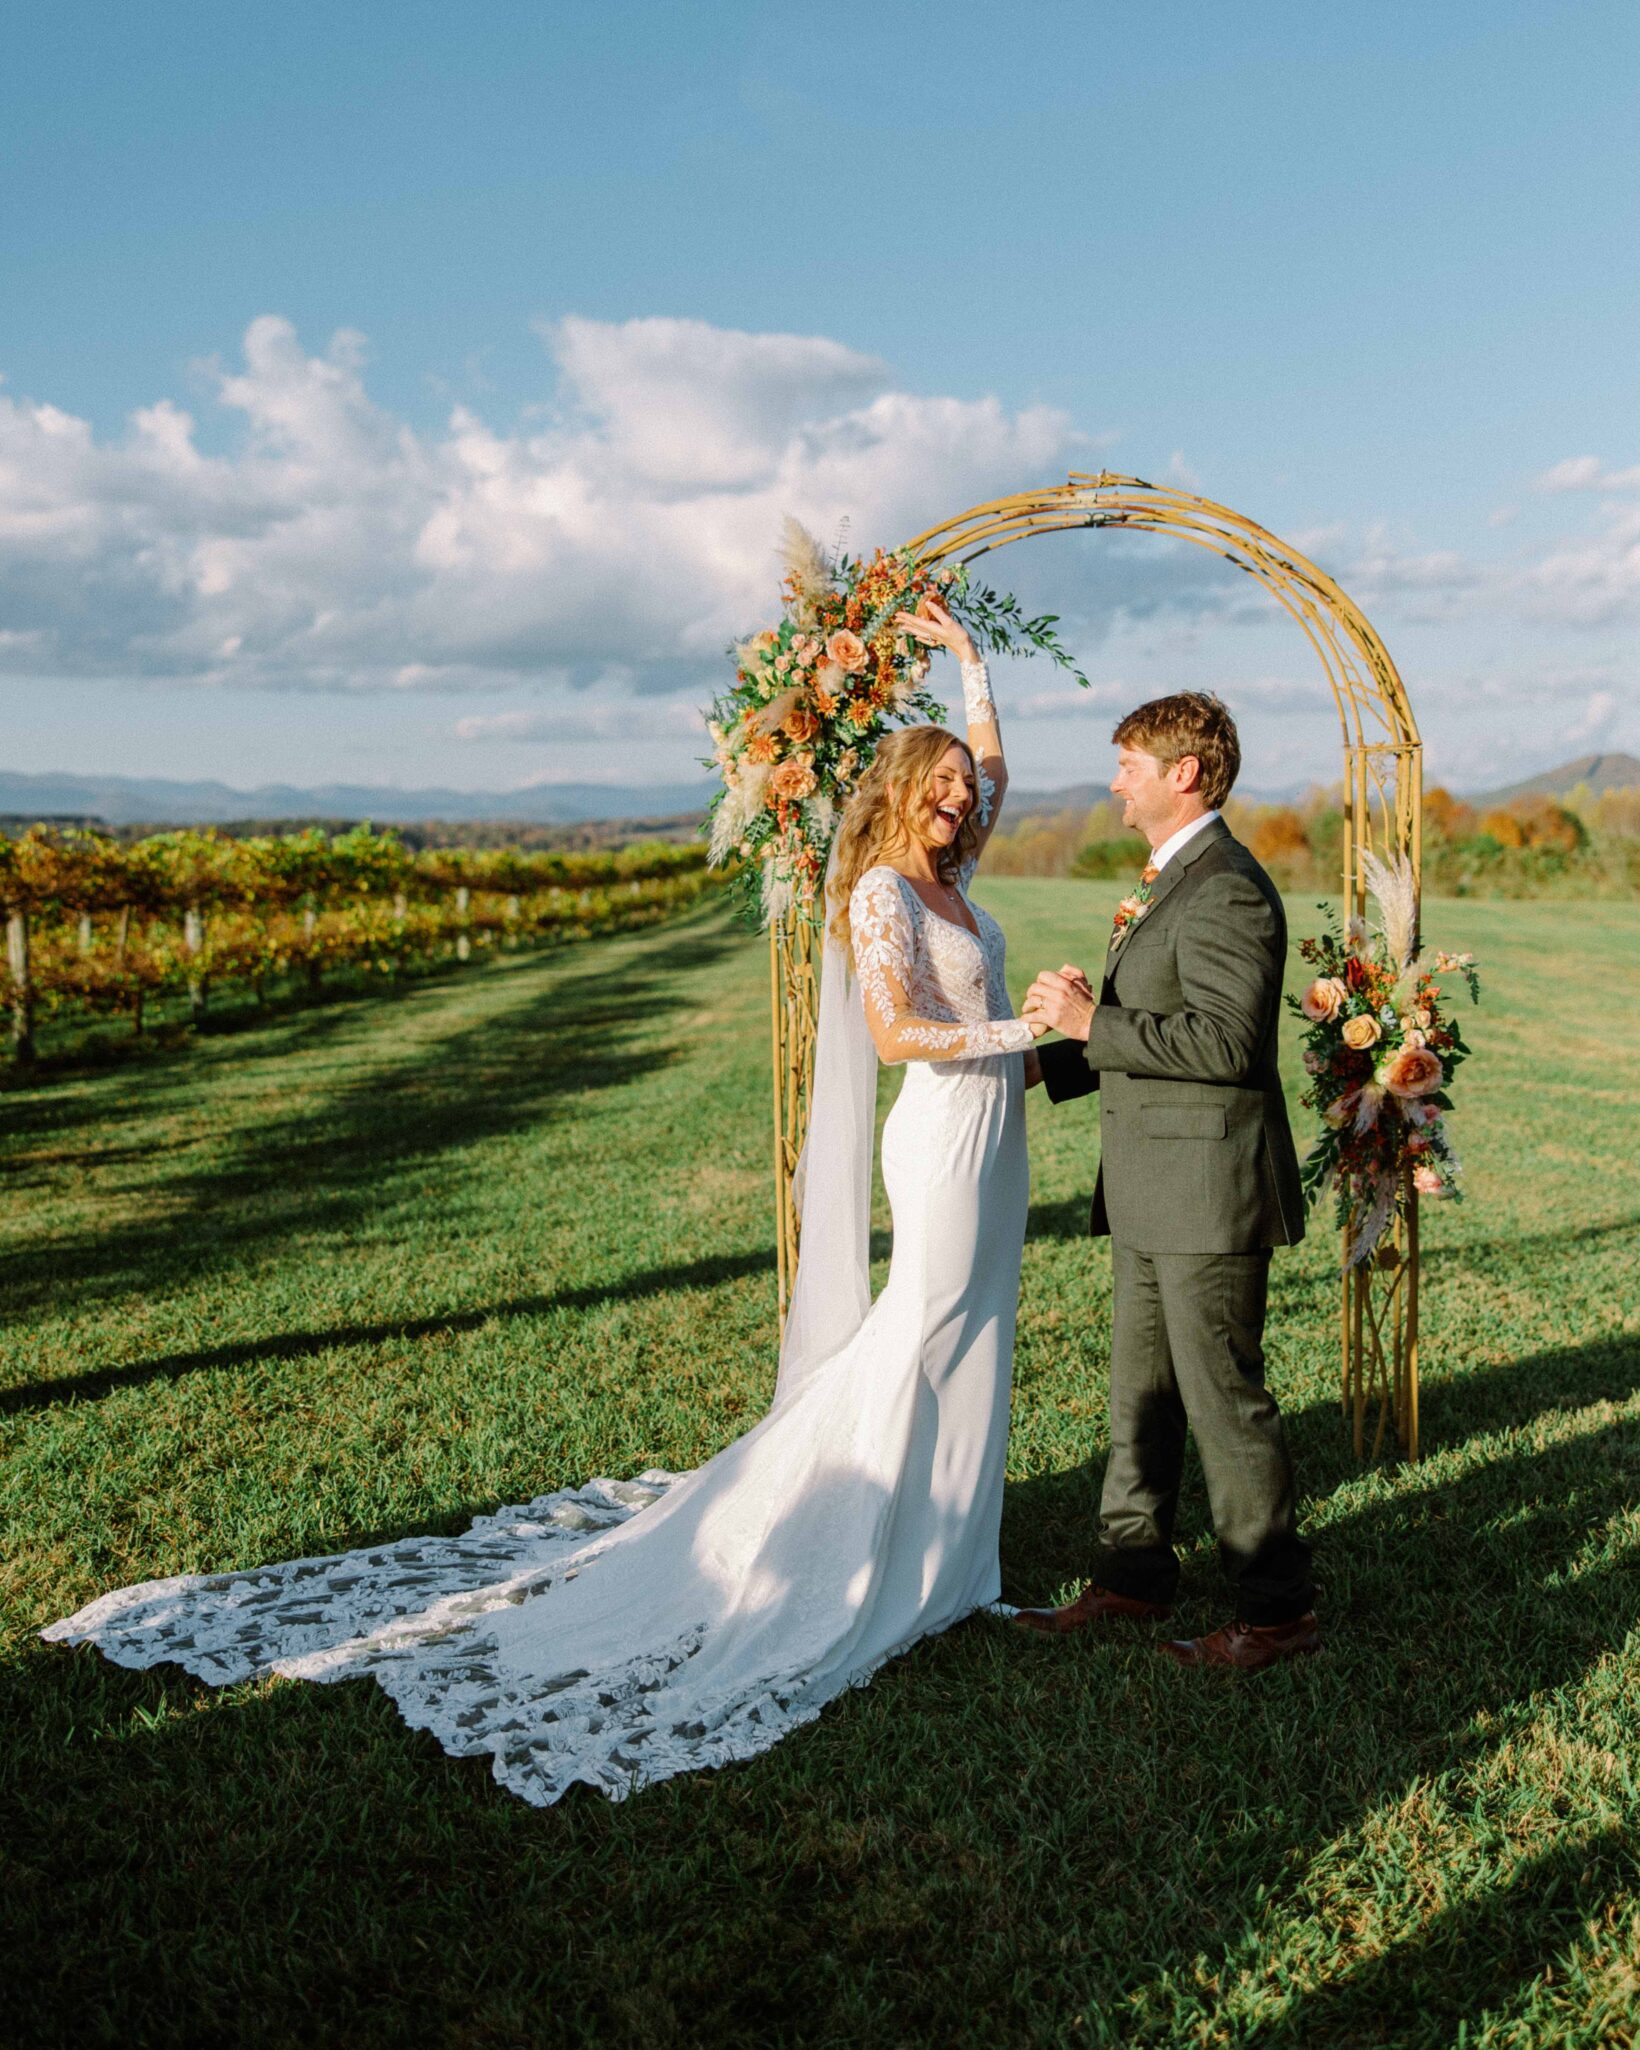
(972, 931)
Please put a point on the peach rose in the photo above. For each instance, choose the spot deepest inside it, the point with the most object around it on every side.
(1362, 1032)
(793, 779)
(1414, 1038)
(801, 724)
(1323, 1000)
(1413, 1071)
(1427, 1182)
(847, 650)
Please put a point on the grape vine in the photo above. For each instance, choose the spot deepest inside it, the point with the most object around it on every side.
(93, 926)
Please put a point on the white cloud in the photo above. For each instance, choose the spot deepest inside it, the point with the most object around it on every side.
(1596, 720)
(601, 551)
(336, 549)
(617, 718)
(1588, 473)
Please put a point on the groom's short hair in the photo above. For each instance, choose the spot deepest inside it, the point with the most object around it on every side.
(1190, 722)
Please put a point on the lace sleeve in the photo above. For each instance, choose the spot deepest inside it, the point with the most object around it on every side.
(884, 957)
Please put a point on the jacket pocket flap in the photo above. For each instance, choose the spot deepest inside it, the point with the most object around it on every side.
(1182, 1120)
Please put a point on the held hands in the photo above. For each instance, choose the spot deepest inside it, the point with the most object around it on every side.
(1060, 1003)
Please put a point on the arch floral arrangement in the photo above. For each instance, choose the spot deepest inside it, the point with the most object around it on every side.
(1381, 1053)
(814, 694)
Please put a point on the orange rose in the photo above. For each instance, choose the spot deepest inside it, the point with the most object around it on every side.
(1414, 1071)
(1362, 1032)
(847, 650)
(801, 724)
(1323, 1000)
(794, 779)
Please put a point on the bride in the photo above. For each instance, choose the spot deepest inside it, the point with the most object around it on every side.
(619, 1633)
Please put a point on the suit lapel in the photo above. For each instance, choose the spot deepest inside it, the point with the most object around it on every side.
(1164, 886)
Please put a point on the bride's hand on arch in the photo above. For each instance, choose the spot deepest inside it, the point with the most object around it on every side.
(935, 628)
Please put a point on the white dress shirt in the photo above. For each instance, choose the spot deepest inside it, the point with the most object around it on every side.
(1161, 856)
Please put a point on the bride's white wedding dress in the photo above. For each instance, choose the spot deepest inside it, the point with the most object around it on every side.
(619, 1633)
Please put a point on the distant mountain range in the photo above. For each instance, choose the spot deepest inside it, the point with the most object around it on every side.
(1595, 772)
(1599, 772)
(130, 800)
(127, 800)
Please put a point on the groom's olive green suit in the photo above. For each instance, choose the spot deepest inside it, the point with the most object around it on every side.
(1198, 1180)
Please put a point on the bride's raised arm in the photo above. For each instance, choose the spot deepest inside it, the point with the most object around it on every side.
(935, 628)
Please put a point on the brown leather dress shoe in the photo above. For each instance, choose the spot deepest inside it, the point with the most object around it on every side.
(1094, 1604)
(1250, 1646)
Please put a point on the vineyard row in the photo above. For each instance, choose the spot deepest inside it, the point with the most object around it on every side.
(94, 927)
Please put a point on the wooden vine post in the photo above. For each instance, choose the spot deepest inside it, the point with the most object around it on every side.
(1383, 815)
(22, 986)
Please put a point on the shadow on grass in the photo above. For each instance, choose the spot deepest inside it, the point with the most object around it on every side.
(298, 1345)
(1055, 1515)
(332, 1159)
(1422, 1990)
(291, 1829)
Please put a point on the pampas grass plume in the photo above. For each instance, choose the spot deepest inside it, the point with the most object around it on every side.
(1392, 885)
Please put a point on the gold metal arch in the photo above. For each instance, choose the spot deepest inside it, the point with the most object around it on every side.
(1383, 814)
(1382, 750)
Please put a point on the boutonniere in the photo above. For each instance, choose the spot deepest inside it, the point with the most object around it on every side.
(1128, 914)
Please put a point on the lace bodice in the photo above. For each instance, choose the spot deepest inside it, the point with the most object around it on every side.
(933, 991)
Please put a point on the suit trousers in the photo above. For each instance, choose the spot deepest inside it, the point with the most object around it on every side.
(1187, 1353)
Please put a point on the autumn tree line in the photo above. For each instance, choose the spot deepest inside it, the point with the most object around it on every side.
(1584, 843)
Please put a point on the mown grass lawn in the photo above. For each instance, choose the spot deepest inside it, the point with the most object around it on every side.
(382, 1264)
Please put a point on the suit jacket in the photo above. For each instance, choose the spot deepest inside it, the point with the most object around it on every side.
(1196, 1154)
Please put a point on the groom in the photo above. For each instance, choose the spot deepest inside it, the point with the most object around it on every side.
(1198, 1180)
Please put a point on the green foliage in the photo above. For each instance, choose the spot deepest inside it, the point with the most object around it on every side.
(1099, 860)
(1000, 626)
(377, 1267)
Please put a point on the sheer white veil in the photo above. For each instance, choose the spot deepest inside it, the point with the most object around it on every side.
(831, 1292)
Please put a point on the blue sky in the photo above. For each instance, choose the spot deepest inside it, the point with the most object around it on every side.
(410, 394)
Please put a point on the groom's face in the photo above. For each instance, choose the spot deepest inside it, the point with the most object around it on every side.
(1149, 792)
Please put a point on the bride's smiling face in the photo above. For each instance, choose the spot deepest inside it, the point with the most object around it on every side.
(950, 796)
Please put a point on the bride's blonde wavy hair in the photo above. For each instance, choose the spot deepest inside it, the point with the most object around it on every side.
(881, 815)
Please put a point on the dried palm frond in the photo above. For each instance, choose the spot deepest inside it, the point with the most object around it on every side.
(754, 788)
(805, 560)
(728, 823)
(1370, 1221)
(1396, 892)
(776, 712)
